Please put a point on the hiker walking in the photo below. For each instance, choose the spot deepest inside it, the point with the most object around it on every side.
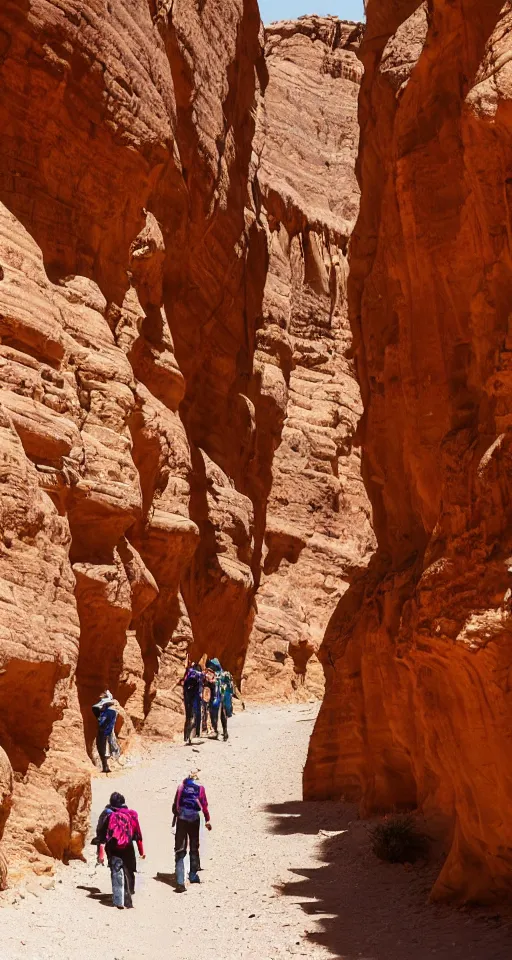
(189, 801)
(223, 691)
(106, 716)
(117, 830)
(192, 698)
(228, 692)
(212, 681)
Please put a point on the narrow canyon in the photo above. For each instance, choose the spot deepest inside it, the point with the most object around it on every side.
(254, 338)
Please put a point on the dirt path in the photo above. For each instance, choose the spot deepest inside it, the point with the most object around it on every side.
(279, 878)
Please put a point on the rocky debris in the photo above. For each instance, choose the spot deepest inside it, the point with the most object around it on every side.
(172, 309)
(417, 655)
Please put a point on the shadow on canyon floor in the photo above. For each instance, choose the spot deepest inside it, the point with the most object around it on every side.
(364, 909)
(94, 893)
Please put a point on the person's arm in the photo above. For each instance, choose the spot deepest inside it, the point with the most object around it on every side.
(101, 834)
(137, 836)
(204, 807)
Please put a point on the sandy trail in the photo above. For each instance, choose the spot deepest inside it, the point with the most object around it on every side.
(279, 877)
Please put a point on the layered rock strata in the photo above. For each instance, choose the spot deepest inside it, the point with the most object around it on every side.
(317, 527)
(418, 654)
(170, 308)
(125, 296)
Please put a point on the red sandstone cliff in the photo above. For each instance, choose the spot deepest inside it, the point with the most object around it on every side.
(125, 294)
(418, 654)
(172, 305)
(317, 523)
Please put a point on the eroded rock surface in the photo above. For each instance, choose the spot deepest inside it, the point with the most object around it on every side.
(126, 216)
(177, 406)
(419, 652)
(317, 526)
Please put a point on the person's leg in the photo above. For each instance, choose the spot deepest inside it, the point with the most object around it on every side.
(129, 884)
(130, 866)
(195, 864)
(180, 850)
(101, 744)
(224, 722)
(117, 874)
(197, 714)
(187, 730)
(204, 718)
(214, 717)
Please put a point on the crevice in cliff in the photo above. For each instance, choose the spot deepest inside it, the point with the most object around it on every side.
(28, 710)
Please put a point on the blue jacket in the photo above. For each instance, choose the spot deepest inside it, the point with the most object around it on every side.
(107, 721)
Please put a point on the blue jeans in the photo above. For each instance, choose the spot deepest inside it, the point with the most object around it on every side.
(123, 882)
(187, 835)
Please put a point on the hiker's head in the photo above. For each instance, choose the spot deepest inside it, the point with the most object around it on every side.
(106, 700)
(193, 775)
(214, 664)
(117, 800)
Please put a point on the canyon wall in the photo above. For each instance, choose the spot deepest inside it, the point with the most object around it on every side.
(172, 309)
(317, 529)
(131, 286)
(418, 655)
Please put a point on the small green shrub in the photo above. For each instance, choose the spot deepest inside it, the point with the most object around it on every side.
(398, 840)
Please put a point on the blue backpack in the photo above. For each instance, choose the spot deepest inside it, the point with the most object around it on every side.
(188, 804)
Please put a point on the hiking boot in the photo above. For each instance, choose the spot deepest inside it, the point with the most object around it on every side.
(106, 770)
(225, 736)
(181, 888)
(194, 878)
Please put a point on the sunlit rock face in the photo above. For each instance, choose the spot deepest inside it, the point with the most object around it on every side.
(125, 354)
(419, 652)
(177, 403)
(317, 526)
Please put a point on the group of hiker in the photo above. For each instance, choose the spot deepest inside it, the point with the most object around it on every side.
(208, 693)
(118, 829)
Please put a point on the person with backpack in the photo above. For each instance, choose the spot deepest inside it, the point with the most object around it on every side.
(117, 830)
(189, 801)
(211, 682)
(106, 716)
(192, 697)
(223, 690)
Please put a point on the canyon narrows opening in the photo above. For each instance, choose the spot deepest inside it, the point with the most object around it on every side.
(254, 338)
